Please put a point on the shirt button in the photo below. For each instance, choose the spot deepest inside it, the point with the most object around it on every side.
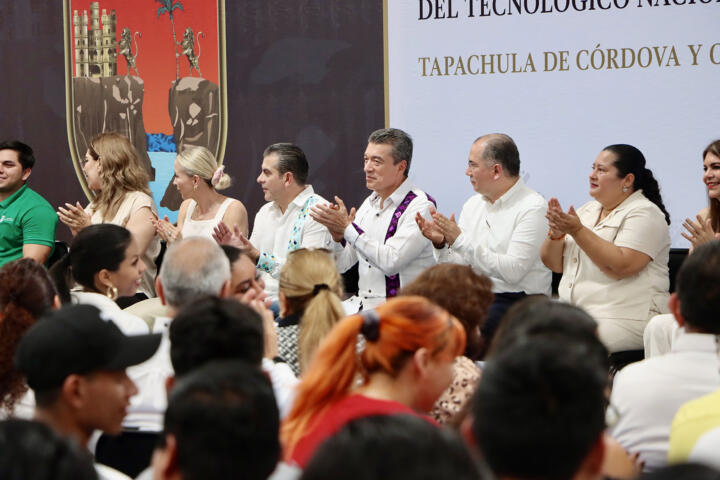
(575, 260)
(570, 286)
(369, 291)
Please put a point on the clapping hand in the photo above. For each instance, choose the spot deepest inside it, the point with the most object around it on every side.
(699, 232)
(74, 217)
(224, 236)
(429, 229)
(447, 226)
(334, 216)
(560, 222)
(165, 229)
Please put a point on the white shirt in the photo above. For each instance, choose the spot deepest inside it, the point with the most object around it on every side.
(502, 240)
(273, 231)
(406, 253)
(283, 382)
(706, 449)
(647, 395)
(108, 473)
(203, 228)
(636, 223)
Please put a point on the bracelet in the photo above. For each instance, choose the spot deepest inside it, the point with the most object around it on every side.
(554, 238)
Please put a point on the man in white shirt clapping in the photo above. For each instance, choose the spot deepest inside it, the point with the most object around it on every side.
(381, 236)
(499, 231)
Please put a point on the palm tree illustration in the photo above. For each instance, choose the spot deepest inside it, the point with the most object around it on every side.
(167, 7)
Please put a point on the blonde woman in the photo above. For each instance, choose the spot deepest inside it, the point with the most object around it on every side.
(198, 179)
(122, 197)
(310, 291)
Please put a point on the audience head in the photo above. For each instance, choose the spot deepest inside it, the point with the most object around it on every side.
(697, 297)
(25, 154)
(196, 165)
(112, 168)
(408, 339)
(221, 422)
(540, 316)
(103, 258)
(26, 293)
(462, 292)
(311, 287)
(392, 446)
(32, 451)
(244, 275)
(193, 268)
(628, 160)
(74, 359)
(284, 170)
(539, 411)
(400, 142)
(215, 329)
(497, 149)
(711, 166)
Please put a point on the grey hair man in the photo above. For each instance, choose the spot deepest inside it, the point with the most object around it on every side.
(500, 229)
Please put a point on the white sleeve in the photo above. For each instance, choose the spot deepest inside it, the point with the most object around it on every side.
(395, 253)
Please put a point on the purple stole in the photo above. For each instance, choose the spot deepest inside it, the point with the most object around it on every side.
(392, 283)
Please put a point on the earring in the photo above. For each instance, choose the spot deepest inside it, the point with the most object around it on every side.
(195, 186)
(112, 292)
(625, 189)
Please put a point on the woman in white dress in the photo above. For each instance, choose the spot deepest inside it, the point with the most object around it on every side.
(198, 177)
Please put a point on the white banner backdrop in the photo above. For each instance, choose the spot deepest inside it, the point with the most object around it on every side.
(563, 84)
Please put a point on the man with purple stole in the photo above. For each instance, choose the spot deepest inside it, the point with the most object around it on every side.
(381, 236)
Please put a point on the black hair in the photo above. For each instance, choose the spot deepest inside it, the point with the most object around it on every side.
(683, 471)
(629, 159)
(392, 446)
(540, 407)
(30, 450)
(401, 142)
(500, 148)
(225, 421)
(215, 329)
(539, 315)
(25, 153)
(698, 288)
(94, 248)
(291, 159)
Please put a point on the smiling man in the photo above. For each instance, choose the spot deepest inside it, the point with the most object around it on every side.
(500, 230)
(27, 221)
(382, 236)
(283, 224)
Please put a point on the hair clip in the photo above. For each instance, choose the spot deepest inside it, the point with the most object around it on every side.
(218, 174)
(371, 325)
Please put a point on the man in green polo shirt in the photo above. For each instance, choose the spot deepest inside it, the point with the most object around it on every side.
(27, 221)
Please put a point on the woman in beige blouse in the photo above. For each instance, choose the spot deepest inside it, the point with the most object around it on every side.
(122, 197)
(613, 252)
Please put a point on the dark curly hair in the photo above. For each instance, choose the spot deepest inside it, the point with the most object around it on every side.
(463, 293)
(26, 293)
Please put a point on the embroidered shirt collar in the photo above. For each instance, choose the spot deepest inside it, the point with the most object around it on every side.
(395, 198)
(6, 203)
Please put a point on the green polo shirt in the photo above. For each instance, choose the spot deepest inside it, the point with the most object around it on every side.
(25, 218)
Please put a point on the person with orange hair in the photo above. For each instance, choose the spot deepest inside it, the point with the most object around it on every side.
(406, 363)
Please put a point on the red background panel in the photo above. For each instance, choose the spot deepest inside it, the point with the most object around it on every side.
(155, 59)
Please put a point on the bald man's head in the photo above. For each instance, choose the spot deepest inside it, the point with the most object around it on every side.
(193, 268)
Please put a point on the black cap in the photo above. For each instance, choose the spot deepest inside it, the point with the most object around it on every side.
(78, 339)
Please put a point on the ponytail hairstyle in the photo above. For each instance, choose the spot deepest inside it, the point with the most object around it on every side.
(26, 293)
(714, 149)
(201, 162)
(393, 333)
(121, 172)
(313, 287)
(94, 248)
(629, 159)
